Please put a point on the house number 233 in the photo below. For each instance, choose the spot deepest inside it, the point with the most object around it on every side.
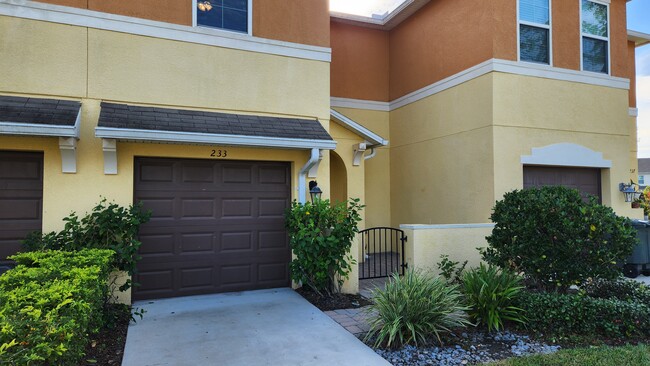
(218, 153)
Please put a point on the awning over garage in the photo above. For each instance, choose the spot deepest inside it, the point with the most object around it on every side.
(128, 122)
(44, 117)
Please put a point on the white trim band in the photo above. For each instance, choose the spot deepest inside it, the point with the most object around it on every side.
(444, 226)
(492, 65)
(566, 154)
(370, 105)
(633, 112)
(202, 138)
(149, 28)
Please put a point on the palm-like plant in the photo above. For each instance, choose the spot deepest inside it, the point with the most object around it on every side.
(490, 293)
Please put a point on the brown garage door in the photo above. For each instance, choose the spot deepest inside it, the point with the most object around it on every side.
(217, 226)
(21, 198)
(586, 180)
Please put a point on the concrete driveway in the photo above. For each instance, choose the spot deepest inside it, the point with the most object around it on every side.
(266, 327)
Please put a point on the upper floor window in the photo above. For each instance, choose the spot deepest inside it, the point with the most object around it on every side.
(595, 36)
(223, 14)
(535, 31)
(642, 179)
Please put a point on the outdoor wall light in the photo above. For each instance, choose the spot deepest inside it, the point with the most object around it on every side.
(314, 191)
(629, 190)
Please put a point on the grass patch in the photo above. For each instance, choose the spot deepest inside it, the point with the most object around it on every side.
(595, 356)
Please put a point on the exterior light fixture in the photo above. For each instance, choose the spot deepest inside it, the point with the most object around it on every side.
(628, 190)
(314, 191)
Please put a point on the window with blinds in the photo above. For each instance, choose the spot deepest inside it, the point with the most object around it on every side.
(535, 31)
(595, 36)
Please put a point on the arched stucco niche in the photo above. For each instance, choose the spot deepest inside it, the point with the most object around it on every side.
(338, 179)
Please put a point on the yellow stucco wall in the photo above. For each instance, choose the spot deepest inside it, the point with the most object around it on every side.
(426, 243)
(355, 189)
(441, 157)
(377, 169)
(81, 62)
(460, 150)
(535, 112)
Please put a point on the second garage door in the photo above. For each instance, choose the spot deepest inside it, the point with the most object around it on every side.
(217, 226)
(585, 180)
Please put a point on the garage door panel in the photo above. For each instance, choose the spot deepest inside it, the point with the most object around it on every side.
(236, 174)
(197, 208)
(236, 241)
(586, 180)
(156, 244)
(21, 199)
(219, 228)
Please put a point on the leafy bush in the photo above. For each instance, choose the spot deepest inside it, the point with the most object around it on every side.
(107, 226)
(321, 236)
(556, 239)
(490, 294)
(451, 271)
(619, 289)
(564, 315)
(413, 308)
(50, 303)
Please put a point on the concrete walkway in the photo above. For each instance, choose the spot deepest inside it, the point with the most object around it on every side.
(267, 327)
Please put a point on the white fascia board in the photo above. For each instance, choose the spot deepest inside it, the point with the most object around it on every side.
(638, 38)
(360, 104)
(202, 138)
(390, 21)
(150, 28)
(370, 136)
(33, 129)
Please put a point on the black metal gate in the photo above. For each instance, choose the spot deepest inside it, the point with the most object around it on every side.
(383, 252)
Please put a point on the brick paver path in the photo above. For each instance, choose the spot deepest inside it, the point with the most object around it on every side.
(354, 320)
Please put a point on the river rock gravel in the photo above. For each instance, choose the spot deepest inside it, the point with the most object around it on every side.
(470, 349)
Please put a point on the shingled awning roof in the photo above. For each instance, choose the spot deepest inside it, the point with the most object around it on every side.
(128, 122)
(39, 117)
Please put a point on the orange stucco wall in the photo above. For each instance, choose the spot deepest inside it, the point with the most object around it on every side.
(296, 21)
(299, 21)
(446, 37)
(359, 68)
(631, 71)
(566, 34)
(618, 38)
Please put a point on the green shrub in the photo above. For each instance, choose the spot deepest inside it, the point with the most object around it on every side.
(107, 226)
(321, 236)
(564, 315)
(451, 271)
(490, 294)
(556, 239)
(47, 311)
(413, 308)
(619, 289)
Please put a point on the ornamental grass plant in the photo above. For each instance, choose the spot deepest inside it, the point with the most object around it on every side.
(413, 309)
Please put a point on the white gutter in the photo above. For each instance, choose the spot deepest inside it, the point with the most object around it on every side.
(203, 138)
(310, 168)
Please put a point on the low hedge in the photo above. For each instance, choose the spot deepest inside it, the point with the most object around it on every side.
(50, 303)
(569, 314)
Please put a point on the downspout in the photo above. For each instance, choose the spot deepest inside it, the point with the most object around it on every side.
(302, 176)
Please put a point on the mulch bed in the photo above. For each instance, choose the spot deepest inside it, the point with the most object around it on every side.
(107, 346)
(338, 301)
